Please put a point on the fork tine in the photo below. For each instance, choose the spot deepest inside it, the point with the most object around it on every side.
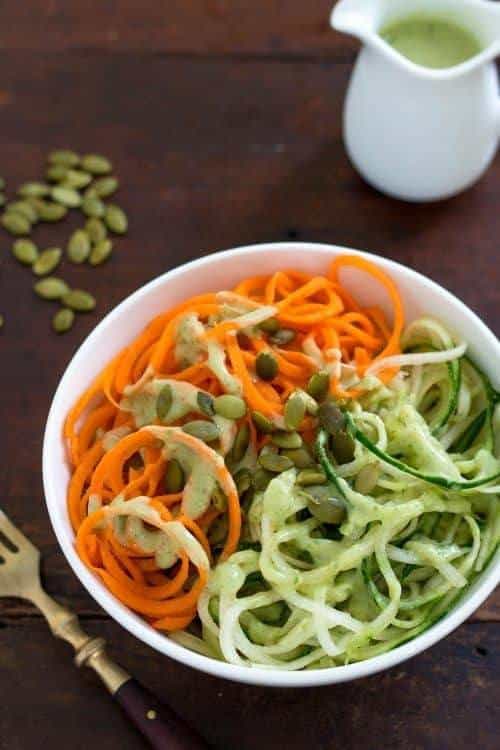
(14, 535)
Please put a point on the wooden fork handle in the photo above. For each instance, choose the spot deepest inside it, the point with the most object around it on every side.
(157, 722)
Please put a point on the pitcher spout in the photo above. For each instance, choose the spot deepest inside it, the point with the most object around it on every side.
(354, 17)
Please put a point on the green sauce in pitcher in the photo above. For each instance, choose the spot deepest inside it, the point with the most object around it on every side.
(431, 42)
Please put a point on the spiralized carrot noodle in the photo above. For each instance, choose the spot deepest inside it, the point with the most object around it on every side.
(150, 542)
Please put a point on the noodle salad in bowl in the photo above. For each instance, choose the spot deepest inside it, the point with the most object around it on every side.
(277, 475)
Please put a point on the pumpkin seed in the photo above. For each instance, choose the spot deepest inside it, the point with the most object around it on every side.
(15, 223)
(201, 429)
(116, 219)
(310, 476)
(271, 325)
(318, 385)
(301, 457)
(367, 478)
(282, 337)
(64, 157)
(96, 230)
(230, 407)
(63, 320)
(243, 480)
(79, 300)
(100, 252)
(241, 442)
(78, 249)
(47, 261)
(269, 448)
(50, 211)
(205, 403)
(25, 251)
(331, 417)
(92, 206)
(174, 476)
(219, 499)
(51, 288)
(105, 186)
(324, 507)
(275, 462)
(67, 196)
(96, 164)
(262, 423)
(294, 412)
(164, 401)
(33, 190)
(76, 178)
(90, 192)
(261, 479)
(312, 406)
(56, 172)
(342, 447)
(266, 366)
(25, 208)
(290, 440)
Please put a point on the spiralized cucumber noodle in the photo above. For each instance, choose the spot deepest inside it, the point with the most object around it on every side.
(301, 593)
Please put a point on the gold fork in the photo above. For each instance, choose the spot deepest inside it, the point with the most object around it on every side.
(20, 578)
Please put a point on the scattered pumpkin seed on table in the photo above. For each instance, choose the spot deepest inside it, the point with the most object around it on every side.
(78, 249)
(51, 288)
(16, 223)
(50, 211)
(33, 190)
(56, 172)
(96, 230)
(25, 251)
(75, 178)
(100, 252)
(79, 300)
(67, 196)
(93, 206)
(25, 208)
(96, 164)
(105, 186)
(116, 219)
(63, 320)
(64, 157)
(47, 261)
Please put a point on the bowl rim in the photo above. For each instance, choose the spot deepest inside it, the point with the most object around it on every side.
(262, 676)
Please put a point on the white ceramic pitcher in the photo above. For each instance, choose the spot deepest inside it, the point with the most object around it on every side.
(417, 133)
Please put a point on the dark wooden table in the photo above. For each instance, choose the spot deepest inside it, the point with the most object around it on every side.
(223, 118)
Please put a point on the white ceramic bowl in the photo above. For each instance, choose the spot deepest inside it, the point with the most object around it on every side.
(222, 271)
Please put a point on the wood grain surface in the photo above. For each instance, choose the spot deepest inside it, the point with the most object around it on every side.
(224, 122)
